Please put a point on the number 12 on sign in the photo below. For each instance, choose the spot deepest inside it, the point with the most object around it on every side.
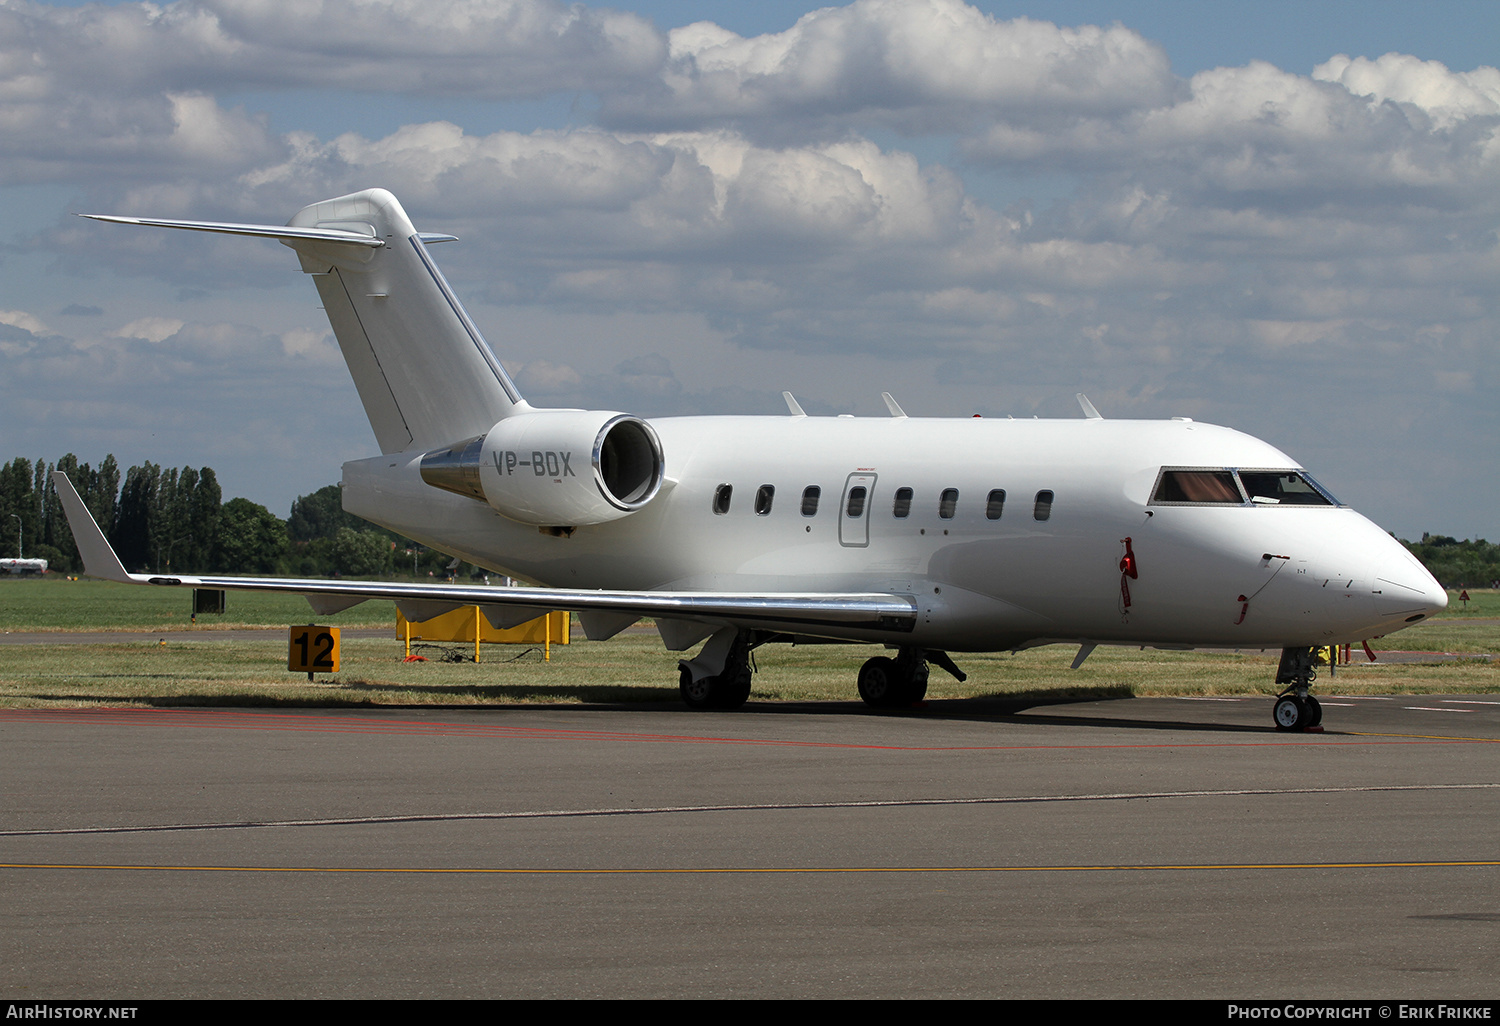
(313, 649)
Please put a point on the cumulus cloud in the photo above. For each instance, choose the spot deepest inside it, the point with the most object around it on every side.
(132, 84)
(27, 322)
(152, 329)
(1258, 133)
(925, 66)
(493, 49)
(1447, 97)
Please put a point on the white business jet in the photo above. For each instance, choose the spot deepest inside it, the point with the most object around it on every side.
(926, 536)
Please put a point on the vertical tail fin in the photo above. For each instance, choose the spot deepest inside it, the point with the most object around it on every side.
(424, 373)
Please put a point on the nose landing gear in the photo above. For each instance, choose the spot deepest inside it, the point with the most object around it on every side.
(1295, 709)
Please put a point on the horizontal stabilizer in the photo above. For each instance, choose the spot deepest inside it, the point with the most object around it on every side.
(266, 231)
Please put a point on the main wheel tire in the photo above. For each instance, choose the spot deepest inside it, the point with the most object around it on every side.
(727, 690)
(696, 694)
(916, 688)
(733, 687)
(1290, 713)
(879, 684)
(1314, 712)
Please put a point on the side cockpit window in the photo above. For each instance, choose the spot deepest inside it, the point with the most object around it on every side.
(1198, 487)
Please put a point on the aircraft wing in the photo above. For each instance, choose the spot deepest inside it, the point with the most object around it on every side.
(604, 613)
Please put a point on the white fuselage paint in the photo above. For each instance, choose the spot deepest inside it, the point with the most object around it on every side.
(980, 584)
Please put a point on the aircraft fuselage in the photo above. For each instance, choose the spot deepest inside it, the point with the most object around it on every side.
(1043, 565)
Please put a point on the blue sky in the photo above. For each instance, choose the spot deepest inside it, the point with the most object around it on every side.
(1276, 216)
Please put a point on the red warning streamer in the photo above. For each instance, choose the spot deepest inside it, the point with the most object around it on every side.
(1128, 572)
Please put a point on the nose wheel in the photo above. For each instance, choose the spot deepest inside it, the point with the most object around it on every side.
(1297, 712)
(1295, 709)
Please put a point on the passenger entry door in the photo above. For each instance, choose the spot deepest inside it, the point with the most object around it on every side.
(854, 510)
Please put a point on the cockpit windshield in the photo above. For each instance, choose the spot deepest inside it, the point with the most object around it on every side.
(1283, 487)
(1229, 486)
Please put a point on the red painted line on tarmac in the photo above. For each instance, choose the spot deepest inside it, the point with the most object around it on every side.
(765, 870)
(317, 723)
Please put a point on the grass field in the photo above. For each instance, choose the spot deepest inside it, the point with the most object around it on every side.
(630, 668)
(55, 603)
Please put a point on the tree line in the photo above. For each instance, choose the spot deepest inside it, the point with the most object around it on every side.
(165, 520)
(1458, 564)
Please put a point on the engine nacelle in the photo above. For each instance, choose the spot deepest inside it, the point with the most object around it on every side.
(555, 468)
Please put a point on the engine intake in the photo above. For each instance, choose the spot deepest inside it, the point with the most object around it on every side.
(555, 468)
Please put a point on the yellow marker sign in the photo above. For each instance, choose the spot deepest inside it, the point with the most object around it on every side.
(313, 649)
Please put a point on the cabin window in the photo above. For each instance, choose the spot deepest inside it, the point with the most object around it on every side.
(901, 509)
(856, 507)
(763, 497)
(1198, 487)
(1283, 488)
(810, 500)
(994, 505)
(1043, 508)
(721, 499)
(948, 503)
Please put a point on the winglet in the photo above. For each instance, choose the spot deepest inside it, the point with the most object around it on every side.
(1088, 408)
(99, 560)
(893, 406)
(792, 405)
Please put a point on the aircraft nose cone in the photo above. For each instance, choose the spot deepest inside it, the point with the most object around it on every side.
(1403, 587)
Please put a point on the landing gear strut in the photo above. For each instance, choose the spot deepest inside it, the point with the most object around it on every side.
(1295, 709)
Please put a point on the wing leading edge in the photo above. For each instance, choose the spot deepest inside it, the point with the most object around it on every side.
(825, 614)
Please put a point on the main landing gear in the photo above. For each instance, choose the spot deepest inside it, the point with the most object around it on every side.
(886, 683)
(719, 677)
(727, 689)
(1295, 709)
